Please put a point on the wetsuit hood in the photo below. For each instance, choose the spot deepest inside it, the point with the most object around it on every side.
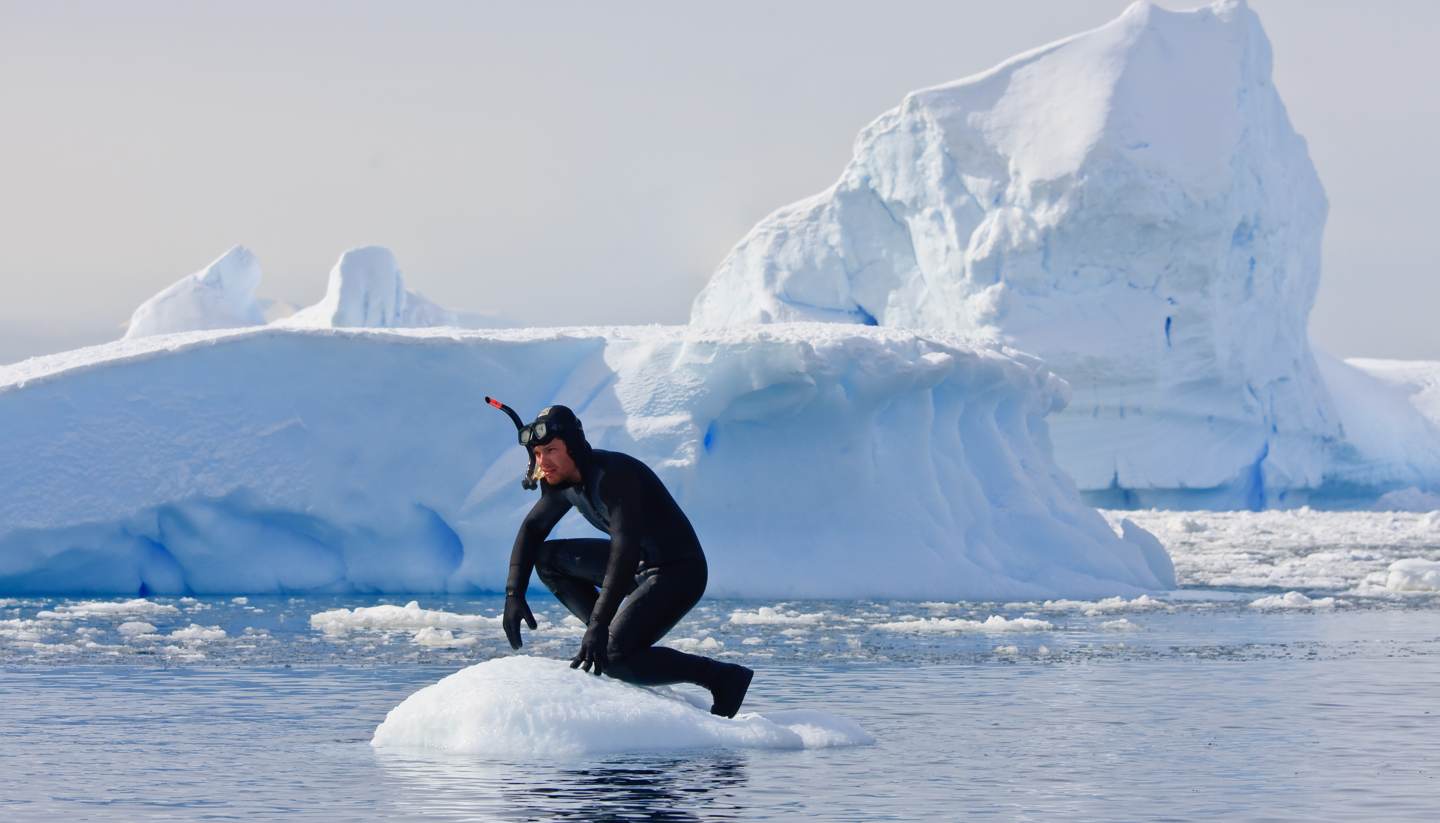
(561, 422)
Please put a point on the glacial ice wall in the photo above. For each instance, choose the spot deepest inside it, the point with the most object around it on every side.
(1132, 205)
(815, 460)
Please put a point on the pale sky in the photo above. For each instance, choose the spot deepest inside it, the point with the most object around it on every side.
(569, 163)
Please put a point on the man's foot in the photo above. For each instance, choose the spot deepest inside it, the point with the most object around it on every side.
(729, 689)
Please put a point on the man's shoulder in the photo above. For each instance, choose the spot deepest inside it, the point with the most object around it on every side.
(620, 466)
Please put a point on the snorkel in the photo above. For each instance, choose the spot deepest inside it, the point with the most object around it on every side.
(529, 483)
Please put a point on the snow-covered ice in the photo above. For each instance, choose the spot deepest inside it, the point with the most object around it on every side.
(328, 460)
(530, 708)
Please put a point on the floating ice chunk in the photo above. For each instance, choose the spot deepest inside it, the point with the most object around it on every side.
(135, 628)
(1007, 651)
(240, 601)
(1108, 605)
(945, 625)
(124, 608)
(195, 633)
(691, 644)
(1292, 600)
(752, 641)
(772, 616)
(24, 631)
(442, 639)
(527, 707)
(409, 617)
(1413, 575)
(1120, 625)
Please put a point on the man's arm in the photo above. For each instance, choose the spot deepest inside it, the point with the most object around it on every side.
(536, 526)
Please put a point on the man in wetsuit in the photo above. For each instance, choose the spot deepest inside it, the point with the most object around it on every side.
(652, 562)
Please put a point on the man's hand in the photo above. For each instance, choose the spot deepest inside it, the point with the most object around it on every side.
(592, 649)
(516, 609)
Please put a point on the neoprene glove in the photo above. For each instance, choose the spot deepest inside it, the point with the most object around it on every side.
(516, 609)
(592, 649)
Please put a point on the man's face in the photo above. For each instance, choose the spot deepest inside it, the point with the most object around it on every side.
(555, 463)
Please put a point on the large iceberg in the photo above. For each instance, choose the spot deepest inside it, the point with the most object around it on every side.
(815, 460)
(219, 296)
(1132, 205)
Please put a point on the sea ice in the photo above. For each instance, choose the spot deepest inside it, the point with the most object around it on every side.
(100, 608)
(529, 708)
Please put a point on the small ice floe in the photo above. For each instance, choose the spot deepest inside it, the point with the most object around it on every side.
(1108, 605)
(240, 601)
(751, 641)
(691, 644)
(773, 616)
(533, 708)
(409, 617)
(25, 631)
(1006, 651)
(195, 634)
(134, 629)
(1292, 600)
(956, 625)
(442, 639)
(1119, 625)
(1413, 575)
(101, 608)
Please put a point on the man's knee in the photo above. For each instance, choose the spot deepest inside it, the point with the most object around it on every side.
(546, 563)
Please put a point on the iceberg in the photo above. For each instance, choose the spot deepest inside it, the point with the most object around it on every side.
(529, 708)
(367, 289)
(219, 296)
(1130, 204)
(815, 460)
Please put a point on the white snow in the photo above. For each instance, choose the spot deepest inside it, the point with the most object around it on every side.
(328, 460)
(949, 625)
(367, 289)
(409, 617)
(1132, 205)
(219, 296)
(526, 708)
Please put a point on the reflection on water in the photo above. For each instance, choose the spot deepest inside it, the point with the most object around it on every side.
(662, 789)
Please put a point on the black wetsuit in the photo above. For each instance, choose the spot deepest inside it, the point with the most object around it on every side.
(652, 561)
